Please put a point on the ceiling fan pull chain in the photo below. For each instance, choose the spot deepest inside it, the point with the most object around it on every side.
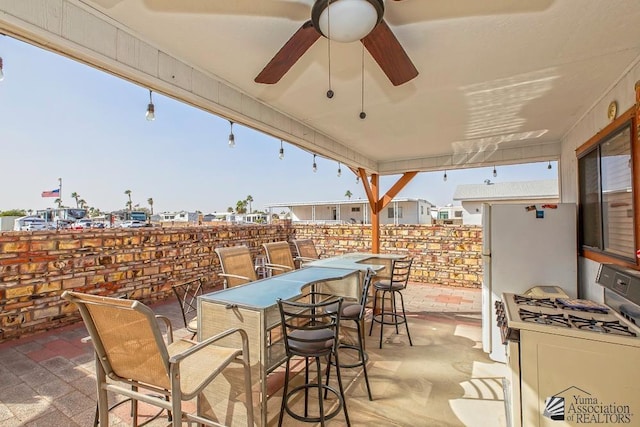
(363, 115)
(329, 92)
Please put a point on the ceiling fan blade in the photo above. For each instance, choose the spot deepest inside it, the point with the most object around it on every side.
(385, 48)
(289, 54)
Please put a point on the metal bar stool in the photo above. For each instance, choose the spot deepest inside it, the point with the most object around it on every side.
(399, 277)
(354, 311)
(309, 331)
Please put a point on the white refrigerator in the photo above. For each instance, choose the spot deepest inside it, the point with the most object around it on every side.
(524, 245)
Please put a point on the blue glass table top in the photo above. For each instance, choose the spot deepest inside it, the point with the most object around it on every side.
(262, 294)
(354, 261)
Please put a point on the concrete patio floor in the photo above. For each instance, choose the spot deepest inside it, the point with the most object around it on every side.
(445, 379)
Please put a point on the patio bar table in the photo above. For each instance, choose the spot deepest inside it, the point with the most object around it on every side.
(253, 307)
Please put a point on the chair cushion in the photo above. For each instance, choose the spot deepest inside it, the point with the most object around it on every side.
(350, 310)
(320, 341)
(193, 325)
(387, 285)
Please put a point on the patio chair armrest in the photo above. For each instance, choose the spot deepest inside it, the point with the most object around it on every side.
(305, 259)
(169, 326)
(177, 358)
(278, 267)
(235, 276)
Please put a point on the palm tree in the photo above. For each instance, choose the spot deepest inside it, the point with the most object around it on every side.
(76, 196)
(129, 203)
(249, 199)
(348, 194)
(241, 206)
(82, 203)
(58, 202)
(150, 201)
(230, 209)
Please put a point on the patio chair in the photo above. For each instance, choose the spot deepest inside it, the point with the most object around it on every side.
(187, 294)
(279, 257)
(237, 266)
(132, 354)
(310, 332)
(354, 311)
(306, 250)
(400, 270)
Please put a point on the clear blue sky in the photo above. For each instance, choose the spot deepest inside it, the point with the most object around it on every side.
(59, 118)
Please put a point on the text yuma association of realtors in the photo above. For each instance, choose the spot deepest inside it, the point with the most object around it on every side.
(588, 410)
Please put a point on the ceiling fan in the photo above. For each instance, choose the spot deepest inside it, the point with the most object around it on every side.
(345, 21)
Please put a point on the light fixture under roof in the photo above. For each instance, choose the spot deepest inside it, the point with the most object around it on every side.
(339, 170)
(315, 166)
(232, 139)
(444, 178)
(1, 70)
(151, 110)
(495, 172)
(549, 165)
(346, 21)
(281, 152)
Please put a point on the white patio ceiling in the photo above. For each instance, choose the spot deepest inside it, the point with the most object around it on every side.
(499, 82)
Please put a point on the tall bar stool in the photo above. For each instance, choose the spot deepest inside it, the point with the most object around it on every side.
(354, 311)
(309, 331)
(400, 270)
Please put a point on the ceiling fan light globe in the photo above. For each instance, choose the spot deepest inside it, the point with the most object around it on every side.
(348, 21)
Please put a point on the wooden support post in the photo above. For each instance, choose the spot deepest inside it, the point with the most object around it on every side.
(377, 204)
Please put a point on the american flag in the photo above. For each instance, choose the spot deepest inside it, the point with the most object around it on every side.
(52, 193)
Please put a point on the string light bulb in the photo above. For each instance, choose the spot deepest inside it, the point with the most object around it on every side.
(315, 166)
(232, 139)
(549, 165)
(281, 152)
(151, 110)
(444, 178)
(1, 70)
(495, 172)
(357, 179)
(339, 170)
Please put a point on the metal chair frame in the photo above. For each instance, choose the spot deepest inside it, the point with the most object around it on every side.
(349, 313)
(237, 266)
(131, 352)
(306, 251)
(279, 257)
(400, 270)
(311, 332)
(187, 294)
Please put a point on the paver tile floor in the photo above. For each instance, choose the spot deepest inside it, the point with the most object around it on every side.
(444, 379)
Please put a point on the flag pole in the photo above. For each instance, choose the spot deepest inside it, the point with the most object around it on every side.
(60, 189)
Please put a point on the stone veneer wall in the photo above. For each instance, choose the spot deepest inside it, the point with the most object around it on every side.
(443, 254)
(36, 267)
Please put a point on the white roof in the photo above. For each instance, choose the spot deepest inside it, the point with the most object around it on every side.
(508, 190)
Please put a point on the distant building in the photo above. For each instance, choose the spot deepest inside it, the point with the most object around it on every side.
(447, 215)
(398, 211)
(179, 217)
(7, 222)
(472, 196)
(254, 218)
